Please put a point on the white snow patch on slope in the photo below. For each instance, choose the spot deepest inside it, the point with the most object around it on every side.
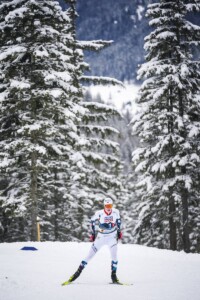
(155, 274)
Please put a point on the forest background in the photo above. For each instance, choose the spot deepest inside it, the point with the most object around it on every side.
(63, 150)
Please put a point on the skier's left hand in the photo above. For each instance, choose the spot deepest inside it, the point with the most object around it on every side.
(119, 235)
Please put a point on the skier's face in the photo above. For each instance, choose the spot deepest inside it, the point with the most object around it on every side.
(108, 208)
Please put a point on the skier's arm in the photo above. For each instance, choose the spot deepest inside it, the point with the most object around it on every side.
(92, 223)
(118, 223)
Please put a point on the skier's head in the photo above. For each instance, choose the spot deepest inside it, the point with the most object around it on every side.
(108, 204)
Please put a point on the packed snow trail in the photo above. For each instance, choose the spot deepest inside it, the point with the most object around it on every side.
(155, 274)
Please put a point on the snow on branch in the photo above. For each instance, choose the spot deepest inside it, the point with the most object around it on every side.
(101, 107)
(94, 45)
(101, 80)
(99, 129)
(193, 6)
(11, 51)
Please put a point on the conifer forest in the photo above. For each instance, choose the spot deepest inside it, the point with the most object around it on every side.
(63, 151)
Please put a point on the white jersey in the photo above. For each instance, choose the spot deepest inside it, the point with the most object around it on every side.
(107, 223)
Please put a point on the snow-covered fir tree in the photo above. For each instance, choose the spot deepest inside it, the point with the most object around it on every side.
(46, 159)
(39, 108)
(168, 127)
(100, 153)
(122, 193)
(126, 197)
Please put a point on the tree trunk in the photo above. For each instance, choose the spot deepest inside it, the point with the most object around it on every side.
(184, 191)
(56, 229)
(172, 225)
(172, 206)
(183, 134)
(186, 231)
(34, 202)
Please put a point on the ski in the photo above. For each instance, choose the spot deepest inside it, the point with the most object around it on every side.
(121, 283)
(116, 283)
(67, 282)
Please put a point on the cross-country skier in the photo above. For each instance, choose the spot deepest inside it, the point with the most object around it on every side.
(108, 234)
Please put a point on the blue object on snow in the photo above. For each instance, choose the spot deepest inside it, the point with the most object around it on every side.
(29, 248)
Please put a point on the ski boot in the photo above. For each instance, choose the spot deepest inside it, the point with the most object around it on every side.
(78, 272)
(114, 277)
(113, 272)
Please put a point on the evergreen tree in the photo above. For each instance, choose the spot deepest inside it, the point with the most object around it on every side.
(122, 193)
(126, 196)
(39, 109)
(166, 125)
(98, 160)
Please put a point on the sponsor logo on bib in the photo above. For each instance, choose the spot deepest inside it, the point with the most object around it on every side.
(108, 219)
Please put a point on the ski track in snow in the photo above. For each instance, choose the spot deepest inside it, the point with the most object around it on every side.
(155, 274)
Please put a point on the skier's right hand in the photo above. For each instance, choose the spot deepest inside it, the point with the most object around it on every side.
(92, 238)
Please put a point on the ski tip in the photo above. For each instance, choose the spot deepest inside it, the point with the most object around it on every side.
(66, 283)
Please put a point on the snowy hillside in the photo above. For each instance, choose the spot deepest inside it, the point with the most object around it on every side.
(121, 21)
(155, 274)
(117, 95)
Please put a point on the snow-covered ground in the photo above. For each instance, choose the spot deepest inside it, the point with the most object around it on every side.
(155, 274)
(117, 95)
